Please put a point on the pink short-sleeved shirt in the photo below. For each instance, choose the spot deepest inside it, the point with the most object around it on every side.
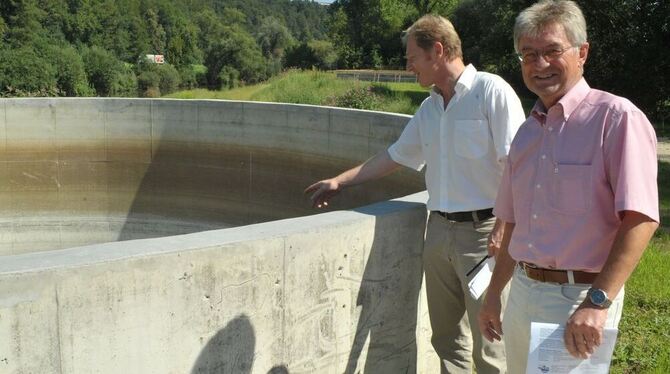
(570, 173)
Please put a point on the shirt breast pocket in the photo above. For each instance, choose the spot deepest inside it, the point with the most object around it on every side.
(570, 189)
(471, 138)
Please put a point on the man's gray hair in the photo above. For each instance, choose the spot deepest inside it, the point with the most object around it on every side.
(532, 20)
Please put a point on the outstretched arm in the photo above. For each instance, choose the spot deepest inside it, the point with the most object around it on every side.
(374, 168)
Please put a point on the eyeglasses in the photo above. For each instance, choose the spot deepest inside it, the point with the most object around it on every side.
(549, 54)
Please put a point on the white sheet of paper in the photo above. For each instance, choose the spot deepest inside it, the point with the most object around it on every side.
(480, 281)
(547, 353)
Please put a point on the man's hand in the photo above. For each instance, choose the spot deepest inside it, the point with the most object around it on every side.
(376, 167)
(323, 191)
(584, 330)
(489, 320)
(495, 238)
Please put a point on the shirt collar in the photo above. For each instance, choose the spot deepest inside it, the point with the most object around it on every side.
(568, 103)
(463, 84)
(571, 100)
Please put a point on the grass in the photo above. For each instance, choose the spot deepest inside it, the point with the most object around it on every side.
(242, 93)
(643, 345)
(322, 88)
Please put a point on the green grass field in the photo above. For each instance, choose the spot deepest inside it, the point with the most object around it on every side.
(644, 338)
(644, 332)
(322, 88)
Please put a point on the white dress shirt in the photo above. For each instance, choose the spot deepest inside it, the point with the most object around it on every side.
(465, 145)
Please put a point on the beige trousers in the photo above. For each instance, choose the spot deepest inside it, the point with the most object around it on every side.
(450, 251)
(533, 301)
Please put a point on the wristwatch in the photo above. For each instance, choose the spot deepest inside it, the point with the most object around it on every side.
(599, 298)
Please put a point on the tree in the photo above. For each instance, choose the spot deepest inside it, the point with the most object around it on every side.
(625, 38)
(157, 34)
(314, 54)
(236, 50)
(273, 38)
(183, 31)
(434, 6)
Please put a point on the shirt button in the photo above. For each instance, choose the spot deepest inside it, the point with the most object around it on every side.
(544, 157)
(534, 216)
(530, 245)
(538, 185)
(551, 128)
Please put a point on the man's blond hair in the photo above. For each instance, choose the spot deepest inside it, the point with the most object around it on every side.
(430, 29)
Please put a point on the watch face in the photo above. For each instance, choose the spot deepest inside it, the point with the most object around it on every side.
(598, 297)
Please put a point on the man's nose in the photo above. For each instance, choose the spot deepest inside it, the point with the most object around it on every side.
(541, 62)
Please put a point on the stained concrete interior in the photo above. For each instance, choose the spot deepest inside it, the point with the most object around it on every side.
(94, 171)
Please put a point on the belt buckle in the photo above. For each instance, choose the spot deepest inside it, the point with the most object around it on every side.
(527, 267)
(475, 216)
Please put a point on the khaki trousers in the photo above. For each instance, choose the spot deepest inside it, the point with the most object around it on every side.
(451, 249)
(533, 301)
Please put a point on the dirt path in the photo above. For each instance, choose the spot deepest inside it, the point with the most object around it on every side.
(663, 149)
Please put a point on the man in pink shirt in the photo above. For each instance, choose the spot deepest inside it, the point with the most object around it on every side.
(578, 195)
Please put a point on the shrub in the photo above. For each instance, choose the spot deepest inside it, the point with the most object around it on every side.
(324, 53)
(69, 70)
(148, 83)
(357, 98)
(187, 77)
(168, 78)
(102, 69)
(228, 77)
(24, 73)
(157, 79)
(125, 82)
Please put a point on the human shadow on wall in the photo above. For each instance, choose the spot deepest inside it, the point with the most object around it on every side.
(389, 293)
(280, 369)
(230, 351)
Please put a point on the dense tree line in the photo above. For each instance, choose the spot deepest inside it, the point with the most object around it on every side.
(629, 40)
(97, 47)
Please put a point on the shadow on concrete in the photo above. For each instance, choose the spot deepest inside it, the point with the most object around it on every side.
(281, 369)
(388, 298)
(195, 177)
(231, 350)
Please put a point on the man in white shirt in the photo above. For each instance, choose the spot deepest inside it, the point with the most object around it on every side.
(462, 132)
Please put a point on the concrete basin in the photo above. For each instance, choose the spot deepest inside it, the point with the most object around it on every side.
(169, 236)
(82, 171)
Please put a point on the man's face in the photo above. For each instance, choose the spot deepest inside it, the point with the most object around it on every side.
(552, 77)
(421, 62)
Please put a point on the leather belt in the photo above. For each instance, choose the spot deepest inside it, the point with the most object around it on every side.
(556, 276)
(472, 216)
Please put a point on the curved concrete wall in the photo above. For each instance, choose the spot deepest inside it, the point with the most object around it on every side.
(331, 293)
(82, 171)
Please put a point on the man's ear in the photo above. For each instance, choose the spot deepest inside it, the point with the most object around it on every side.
(438, 50)
(583, 53)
